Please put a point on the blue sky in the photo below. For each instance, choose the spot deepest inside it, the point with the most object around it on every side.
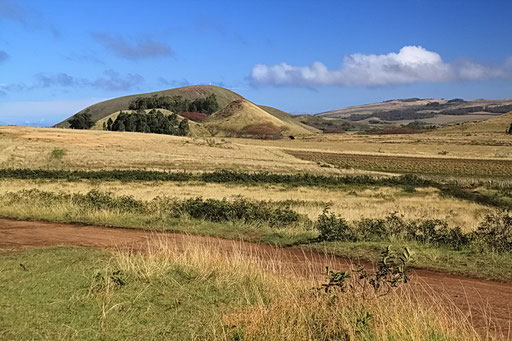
(57, 57)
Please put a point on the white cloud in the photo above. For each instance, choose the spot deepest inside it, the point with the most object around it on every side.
(410, 65)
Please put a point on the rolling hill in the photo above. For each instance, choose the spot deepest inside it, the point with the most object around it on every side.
(236, 116)
(103, 109)
(438, 112)
(242, 118)
(495, 125)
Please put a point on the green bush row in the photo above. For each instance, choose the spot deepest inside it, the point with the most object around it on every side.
(494, 233)
(198, 208)
(408, 182)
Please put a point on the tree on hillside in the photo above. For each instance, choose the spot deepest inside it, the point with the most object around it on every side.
(81, 121)
(109, 123)
(509, 131)
(177, 104)
(183, 128)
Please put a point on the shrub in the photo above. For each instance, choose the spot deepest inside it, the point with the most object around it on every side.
(240, 209)
(81, 120)
(57, 154)
(333, 228)
(495, 232)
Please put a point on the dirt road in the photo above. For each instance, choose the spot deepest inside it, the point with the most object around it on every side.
(488, 304)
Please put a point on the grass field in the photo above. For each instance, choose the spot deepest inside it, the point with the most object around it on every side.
(200, 293)
(351, 202)
(204, 294)
(35, 147)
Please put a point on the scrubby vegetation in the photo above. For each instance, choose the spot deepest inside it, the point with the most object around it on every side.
(152, 122)
(494, 234)
(81, 120)
(239, 210)
(177, 104)
(500, 198)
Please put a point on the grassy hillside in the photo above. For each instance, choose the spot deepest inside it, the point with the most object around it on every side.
(498, 125)
(429, 111)
(289, 118)
(242, 118)
(103, 109)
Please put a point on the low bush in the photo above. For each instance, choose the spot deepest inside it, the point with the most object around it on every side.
(495, 232)
(428, 231)
(333, 228)
(240, 209)
(409, 182)
(197, 208)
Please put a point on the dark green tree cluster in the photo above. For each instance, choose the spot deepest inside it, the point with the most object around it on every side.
(81, 121)
(177, 104)
(152, 122)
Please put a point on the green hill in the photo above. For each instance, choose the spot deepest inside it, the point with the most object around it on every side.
(236, 115)
(103, 109)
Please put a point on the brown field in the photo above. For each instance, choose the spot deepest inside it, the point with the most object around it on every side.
(26, 147)
(408, 164)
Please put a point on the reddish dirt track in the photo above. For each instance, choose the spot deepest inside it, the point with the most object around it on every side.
(488, 304)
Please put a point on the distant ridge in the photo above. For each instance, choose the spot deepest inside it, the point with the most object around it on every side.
(430, 111)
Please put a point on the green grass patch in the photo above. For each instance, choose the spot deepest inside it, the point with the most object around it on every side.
(83, 294)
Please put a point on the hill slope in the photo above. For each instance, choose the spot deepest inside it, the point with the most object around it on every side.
(242, 118)
(289, 118)
(498, 124)
(103, 109)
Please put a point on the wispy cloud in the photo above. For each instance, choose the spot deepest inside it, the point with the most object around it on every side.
(85, 57)
(62, 80)
(141, 48)
(206, 23)
(3, 56)
(114, 81)
(11, 10)
(173, 83)
(28, 17)
(110, 80)
(411, 64)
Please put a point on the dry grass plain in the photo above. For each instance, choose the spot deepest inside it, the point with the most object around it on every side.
(260, 304)
(24, 147)
(27, 147)
(351, 203)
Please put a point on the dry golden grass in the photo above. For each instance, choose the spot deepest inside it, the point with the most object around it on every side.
(283, 304)
(494, 126)
(352, 204)
(435, 144)
(27, 147)
(240, 114)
